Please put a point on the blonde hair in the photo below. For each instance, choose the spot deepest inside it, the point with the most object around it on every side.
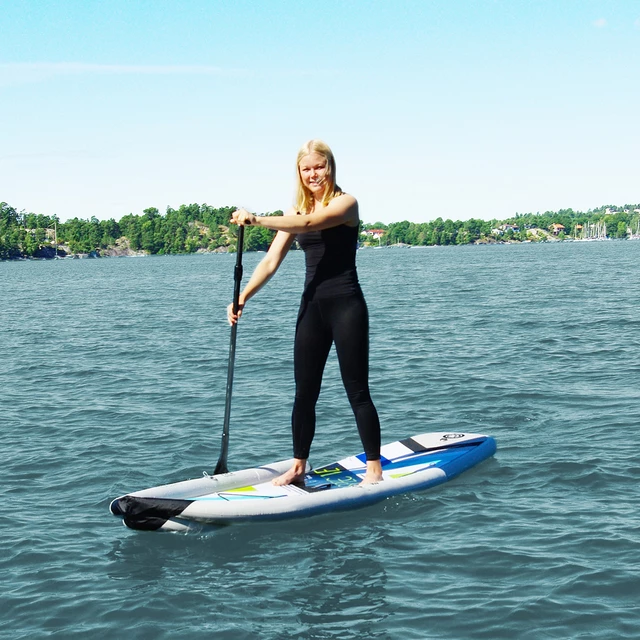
(304, 199)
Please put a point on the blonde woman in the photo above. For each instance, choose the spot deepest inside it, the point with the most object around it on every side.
(325, 222)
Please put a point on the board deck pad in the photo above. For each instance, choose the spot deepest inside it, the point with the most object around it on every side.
(411, 464)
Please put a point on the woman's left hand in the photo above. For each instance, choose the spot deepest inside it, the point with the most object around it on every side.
(243, 218)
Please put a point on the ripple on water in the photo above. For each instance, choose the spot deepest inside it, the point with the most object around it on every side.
(118, 384)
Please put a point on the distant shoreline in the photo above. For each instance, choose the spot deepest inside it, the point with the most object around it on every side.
(95, 255)
(204, 229)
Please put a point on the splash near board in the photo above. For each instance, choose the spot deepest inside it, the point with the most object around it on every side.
(413, 464)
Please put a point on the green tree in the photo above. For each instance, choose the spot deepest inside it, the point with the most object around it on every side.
(621, 230)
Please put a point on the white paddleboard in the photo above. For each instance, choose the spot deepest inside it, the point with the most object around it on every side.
(412, 464)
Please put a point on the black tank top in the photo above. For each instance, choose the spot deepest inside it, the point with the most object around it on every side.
(330, 258)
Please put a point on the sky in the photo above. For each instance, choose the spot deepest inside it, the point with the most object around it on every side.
(433, 108)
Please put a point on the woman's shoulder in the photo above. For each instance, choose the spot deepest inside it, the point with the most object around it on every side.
(347, 205)
(345, 198)
(343, 202)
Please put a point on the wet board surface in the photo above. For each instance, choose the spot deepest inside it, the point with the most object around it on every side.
(412, 464)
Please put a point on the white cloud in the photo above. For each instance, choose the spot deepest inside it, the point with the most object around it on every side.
(600, 23)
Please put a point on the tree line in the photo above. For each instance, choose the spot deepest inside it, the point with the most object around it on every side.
(563, 224)
(189, 229)
(200, 227)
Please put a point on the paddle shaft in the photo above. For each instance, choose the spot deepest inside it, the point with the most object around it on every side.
(221, 467)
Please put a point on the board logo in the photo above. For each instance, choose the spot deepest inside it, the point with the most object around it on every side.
(452, 436)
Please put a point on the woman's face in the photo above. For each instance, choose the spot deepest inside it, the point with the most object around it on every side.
(313, 173)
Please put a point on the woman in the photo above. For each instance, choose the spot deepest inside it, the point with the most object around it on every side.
(326, 223)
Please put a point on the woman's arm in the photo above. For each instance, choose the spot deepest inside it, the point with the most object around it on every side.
(341, 210)
(263, 272)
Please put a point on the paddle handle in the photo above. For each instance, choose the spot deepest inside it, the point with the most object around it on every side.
(237, 274)
(221, 467)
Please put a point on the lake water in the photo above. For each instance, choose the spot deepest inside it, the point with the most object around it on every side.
(112, 379)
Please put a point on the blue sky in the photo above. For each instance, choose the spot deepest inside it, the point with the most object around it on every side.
(452, 108)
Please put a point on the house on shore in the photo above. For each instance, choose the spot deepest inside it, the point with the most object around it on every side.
(375, 234)
(503, 228)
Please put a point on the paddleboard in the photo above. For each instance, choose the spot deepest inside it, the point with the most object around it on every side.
(412, 464)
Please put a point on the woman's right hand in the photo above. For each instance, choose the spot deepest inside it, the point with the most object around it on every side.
(232, 317)
(243, 217)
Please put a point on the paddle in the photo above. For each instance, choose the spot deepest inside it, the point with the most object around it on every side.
(221, 467)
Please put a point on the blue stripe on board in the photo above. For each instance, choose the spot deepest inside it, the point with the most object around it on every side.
(437, 458)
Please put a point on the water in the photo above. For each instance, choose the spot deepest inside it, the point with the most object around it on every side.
(112, 379)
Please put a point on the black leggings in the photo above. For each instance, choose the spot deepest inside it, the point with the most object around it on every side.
(345, 321)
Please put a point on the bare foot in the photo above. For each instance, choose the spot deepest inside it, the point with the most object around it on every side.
(295, 475)
(374, 472)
